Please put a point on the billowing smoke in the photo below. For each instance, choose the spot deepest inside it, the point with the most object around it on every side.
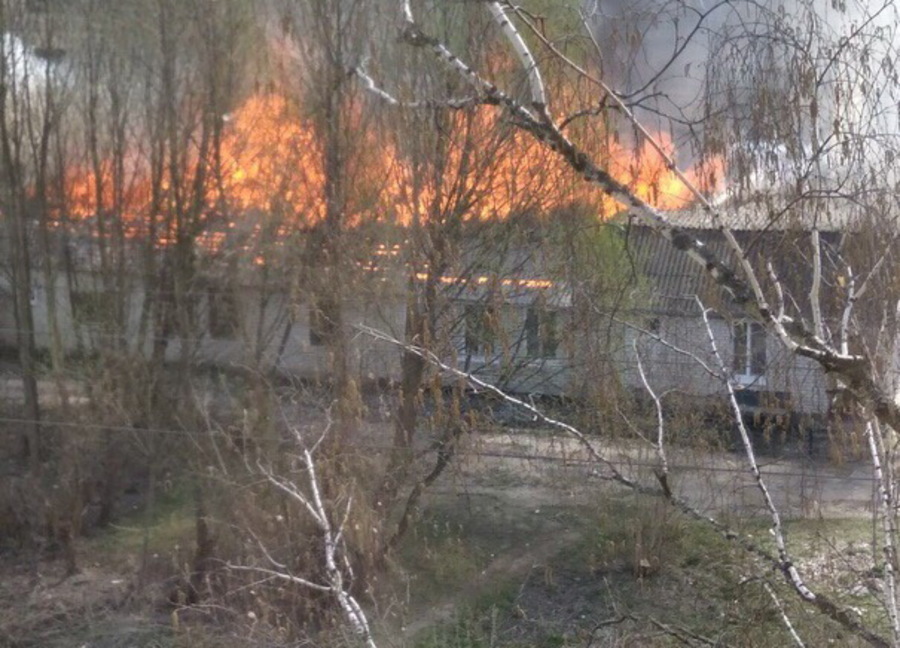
(776, 81)
(654, 51)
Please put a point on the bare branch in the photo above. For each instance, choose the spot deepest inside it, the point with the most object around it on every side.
(741, 282)
(281, 575)
(782, 561)
(662, 470)
(815, 291)
(535, 82)
(784, 617)
(777, 528)
(888, 531)
(671, 346)
(852, 297)
(371, 86)
(785, 562)
(334, 551)
(779, 291)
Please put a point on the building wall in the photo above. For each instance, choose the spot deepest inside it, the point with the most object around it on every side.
(514, 363)
(82, 331)
(275, 333)
(7, 314)
(799, 380)
(263, 328)
(278, 335)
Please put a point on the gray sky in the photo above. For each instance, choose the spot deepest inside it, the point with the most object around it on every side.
(652, 53)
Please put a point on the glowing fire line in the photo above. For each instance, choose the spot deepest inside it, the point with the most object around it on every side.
(271, 162)
(482, 280)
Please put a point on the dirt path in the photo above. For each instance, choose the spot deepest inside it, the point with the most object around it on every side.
(523, 473)
(715, 481)
(522, 564)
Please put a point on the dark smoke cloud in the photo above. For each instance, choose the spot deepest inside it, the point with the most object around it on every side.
(658, 53)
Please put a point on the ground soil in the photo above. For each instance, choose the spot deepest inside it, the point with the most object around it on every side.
(518, 491)
(515, 495)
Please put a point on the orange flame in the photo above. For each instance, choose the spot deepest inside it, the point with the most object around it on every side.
(651, 179)
(271, 162)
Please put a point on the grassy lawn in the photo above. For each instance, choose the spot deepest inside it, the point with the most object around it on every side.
(485, 567)
(114, 599)
(628, 572)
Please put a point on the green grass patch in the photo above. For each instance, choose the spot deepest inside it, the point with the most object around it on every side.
(159, 531)
(438, 559)
(635, 555)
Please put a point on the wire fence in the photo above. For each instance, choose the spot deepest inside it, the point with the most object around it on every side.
(567, 458)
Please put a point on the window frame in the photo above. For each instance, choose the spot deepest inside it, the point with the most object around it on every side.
(541, 333)
(223, 315)
(479, 331)
(749, 359)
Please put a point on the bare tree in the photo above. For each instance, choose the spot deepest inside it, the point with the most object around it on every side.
(336, 567)
(840, 167)
(24, 128)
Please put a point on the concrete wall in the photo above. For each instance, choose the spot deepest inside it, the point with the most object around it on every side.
(265, 326)
(275, 333)
(801, 379)
(7, 314)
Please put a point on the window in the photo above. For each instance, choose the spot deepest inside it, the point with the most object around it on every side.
(749, 360)
(480, 330)
(42, 6)
(223, 317)
(92, 308)
(541, 333)
(323, 317)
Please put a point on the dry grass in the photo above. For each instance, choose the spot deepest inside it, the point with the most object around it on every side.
(507, 552)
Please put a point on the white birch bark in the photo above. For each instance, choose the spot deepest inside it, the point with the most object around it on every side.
(782, 561)
(738, 279)
(334, 557)
(887, 517)
(741, 282)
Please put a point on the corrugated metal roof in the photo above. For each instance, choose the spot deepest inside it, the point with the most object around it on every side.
(676, 280)
(760, 217)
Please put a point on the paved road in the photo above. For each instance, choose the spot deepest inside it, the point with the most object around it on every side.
(714, 481)
(12, 391)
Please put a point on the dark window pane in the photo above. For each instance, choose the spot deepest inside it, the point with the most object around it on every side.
(223, 315)
(532, 333)
(758, 349)
(541, 333)
(479, 330)
(323, 318)
(739, 359)
(549, 334)
(92, 308)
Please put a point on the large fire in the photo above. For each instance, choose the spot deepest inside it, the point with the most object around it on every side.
(270, 162)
